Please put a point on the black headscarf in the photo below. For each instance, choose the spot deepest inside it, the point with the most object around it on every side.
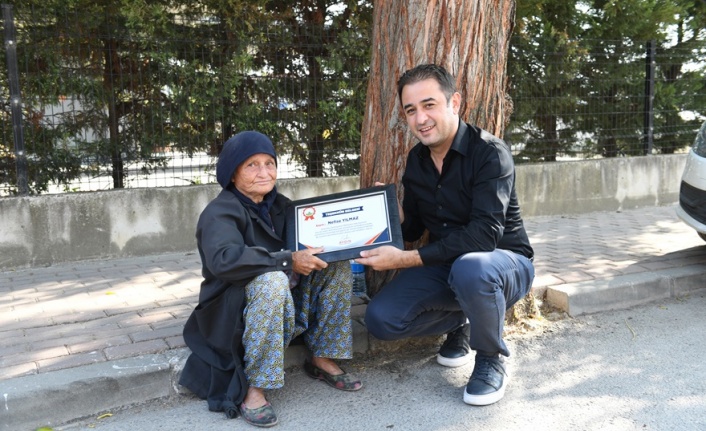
(235, 151)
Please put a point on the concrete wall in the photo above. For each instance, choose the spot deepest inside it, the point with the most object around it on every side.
(599, 185)
(44, 230)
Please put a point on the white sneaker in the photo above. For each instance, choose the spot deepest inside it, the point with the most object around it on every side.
(456, 351)
(487, 383)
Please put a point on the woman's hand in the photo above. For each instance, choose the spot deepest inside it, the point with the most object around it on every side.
(305, 261)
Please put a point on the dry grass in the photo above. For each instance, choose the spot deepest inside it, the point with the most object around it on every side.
(530, 316)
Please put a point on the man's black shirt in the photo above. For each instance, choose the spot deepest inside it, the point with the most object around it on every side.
(471, 206)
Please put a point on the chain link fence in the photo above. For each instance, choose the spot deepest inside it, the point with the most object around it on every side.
(603, 98)
(105, 105)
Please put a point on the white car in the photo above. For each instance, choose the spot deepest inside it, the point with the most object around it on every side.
(692, 193)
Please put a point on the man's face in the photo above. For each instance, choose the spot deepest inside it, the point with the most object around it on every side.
(430, 117)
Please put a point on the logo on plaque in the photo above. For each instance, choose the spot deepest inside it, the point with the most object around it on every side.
(308, 213)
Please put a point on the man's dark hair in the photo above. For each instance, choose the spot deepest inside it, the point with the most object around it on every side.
(426, 71)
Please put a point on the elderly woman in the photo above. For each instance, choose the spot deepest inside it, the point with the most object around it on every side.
(257, 296)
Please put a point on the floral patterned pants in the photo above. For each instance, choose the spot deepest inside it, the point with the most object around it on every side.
(318, 308)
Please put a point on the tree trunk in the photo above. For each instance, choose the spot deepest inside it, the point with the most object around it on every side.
(548, 124)
(469, 38)
(109, 76)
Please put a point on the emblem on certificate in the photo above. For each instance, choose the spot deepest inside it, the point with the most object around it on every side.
(345, 223)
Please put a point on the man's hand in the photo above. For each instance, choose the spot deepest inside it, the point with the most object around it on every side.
(304, 261)
(389, 257)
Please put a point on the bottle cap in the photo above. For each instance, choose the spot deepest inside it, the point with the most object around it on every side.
(357, 267)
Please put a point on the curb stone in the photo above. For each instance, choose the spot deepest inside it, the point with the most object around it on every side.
(625, 291)
(56, 397)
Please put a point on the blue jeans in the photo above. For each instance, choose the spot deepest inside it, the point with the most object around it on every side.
(434, 300)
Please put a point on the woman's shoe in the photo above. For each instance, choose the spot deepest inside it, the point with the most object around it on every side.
(344, 382)
(263, 417)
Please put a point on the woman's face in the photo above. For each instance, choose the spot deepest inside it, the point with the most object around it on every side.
(256, 176)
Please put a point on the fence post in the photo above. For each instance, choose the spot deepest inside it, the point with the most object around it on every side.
(15, 100)
(648, 130)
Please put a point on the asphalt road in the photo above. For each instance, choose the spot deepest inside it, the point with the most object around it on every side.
(636, 369)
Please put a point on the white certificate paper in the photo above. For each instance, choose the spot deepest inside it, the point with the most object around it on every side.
(345, 223)
(340, 224)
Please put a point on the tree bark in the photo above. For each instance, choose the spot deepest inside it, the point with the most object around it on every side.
(109, 76)
(469, 38)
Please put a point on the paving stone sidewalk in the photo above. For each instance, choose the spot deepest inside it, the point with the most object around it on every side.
(82, 313)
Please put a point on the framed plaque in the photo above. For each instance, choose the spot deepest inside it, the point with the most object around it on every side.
(345, 223)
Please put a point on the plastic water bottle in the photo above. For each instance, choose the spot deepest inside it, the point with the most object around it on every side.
(359, 287)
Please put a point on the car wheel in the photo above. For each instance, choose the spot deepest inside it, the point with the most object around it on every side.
(702, 235)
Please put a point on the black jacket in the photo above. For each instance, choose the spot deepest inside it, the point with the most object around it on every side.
(235, 246)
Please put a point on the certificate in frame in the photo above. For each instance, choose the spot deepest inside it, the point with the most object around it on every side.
(345, 223)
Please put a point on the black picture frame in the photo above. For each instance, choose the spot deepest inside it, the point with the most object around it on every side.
(393, 236)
